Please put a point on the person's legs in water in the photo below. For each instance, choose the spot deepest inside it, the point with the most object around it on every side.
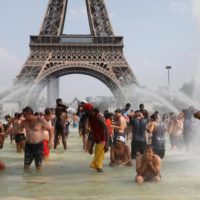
(38, 155)
(97, 162)
(28, 156)
(64, 139)
(56, 139)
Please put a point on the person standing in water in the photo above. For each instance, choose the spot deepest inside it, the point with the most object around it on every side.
(138, 142)
(60, 125)
(34, 127)
(119, 125)
(83, 124)
(48, 116)
(20, 138)
(158, 130)
(100, 134)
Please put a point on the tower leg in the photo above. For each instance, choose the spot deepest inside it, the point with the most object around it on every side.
(52, 91)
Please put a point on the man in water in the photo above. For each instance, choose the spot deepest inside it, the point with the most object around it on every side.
(20, 138)
(48, 116)
(60, 125)
(119, 125)
(138, 142)
(120, 153)
(100, 135)
(144, 112)
(148, 166)
(126, 113)
(34, 127)
(83, 124)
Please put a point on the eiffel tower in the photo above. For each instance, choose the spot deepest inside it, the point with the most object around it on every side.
(54, 54)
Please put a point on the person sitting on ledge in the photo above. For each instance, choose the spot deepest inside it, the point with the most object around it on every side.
(120, 153)
(148, 166)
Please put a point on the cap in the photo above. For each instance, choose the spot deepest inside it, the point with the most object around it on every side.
(121, 138)
(88, 107)
(84, 101)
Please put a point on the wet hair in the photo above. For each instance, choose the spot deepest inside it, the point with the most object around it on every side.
(106, 114)
(141, 105)
(118, 110)
(128, 105)
(148, 147)
(37, 114)
(96, 110)
(164, 117)
(19, 115)
(28, 109)
(58, 100)
(154, 117)
(48, 111)
(7, 117)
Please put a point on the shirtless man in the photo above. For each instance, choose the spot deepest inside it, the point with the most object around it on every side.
(34, 127)
(120, 153)
(20, 138)
(48, 116)
(120, 125)
(60, 125)
(148, 166)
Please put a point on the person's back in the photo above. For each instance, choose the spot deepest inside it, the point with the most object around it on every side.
(158, 139)
(60, 125)
(100, 133)
(139, 129)
(138, 142)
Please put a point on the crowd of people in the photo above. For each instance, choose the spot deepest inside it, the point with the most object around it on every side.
(126, 134)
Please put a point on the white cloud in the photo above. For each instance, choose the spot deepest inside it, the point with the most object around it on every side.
(9, 68)
(178, 6)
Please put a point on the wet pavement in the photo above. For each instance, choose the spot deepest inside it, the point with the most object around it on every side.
(66, 175)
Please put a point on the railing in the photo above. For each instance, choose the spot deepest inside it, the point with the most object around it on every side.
(76, 39)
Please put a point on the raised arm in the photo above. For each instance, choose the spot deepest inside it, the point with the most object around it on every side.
(155, 165)
(140, 166)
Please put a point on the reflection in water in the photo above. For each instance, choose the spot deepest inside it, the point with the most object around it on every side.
(67, 176)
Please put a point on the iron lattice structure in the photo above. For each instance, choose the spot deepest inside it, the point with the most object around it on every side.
(53, 54)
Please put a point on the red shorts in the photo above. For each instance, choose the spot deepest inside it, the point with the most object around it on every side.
(2, 166)
(46, 148)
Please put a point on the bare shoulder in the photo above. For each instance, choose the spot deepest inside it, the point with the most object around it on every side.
(126, 147)
(42, 121)
(156, 158)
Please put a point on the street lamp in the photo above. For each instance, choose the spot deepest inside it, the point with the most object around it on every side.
(168, 73)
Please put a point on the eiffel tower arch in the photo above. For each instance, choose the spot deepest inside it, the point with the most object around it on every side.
(54, 54)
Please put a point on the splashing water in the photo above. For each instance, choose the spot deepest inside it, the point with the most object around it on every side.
(150, 98)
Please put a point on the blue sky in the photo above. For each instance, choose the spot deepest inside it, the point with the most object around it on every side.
(156, 33)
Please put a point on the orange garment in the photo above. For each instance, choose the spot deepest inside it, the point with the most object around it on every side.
(109, 126)
(46, 148)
